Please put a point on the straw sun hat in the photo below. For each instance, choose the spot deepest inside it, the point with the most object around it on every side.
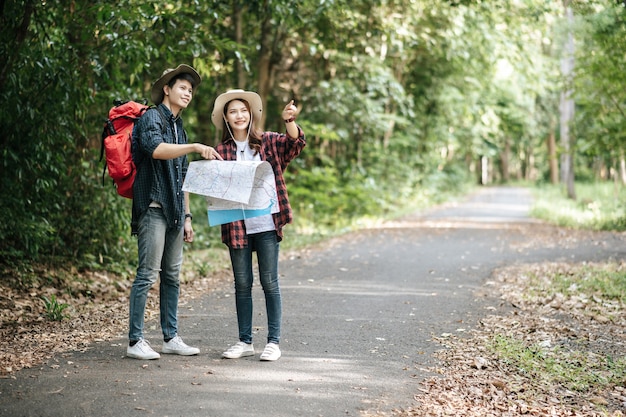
(166, 77)
(253, 99)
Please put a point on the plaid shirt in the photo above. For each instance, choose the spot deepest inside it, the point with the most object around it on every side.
(158, 180)
(279, 150)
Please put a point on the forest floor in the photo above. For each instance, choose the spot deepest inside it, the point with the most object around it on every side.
(566, 353)
(97, 310)
(470, 375)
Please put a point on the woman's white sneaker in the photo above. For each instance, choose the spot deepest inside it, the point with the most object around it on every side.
(141, 350)
(271, 352)
(239, 350)
(176, 346)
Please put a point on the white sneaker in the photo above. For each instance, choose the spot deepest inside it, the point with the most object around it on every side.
(176, 346)
(141, 350)
(238, 350)
(271, 352)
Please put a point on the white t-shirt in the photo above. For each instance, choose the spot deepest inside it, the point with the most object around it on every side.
(263, 223)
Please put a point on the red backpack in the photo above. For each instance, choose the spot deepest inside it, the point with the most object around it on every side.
(116, 144)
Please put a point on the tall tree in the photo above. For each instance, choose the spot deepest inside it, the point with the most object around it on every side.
(567, 106)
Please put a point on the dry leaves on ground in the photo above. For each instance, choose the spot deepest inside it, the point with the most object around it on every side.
(473, 381)
(98, 308)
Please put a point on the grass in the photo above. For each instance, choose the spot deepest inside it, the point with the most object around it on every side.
(607, 282)
(574, 370)
(54, 308)
(601, 289)
(598, 206)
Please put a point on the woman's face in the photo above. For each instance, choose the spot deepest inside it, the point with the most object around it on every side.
(238, 115)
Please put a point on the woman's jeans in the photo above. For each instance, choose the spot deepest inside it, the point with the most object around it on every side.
(160, 253)
(266, 246)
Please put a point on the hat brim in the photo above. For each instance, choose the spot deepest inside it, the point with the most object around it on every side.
(157, 88)
(253, 99)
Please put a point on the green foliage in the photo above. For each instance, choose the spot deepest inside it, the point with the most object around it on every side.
(600, 96)
(325, 199)
(600, 206)
(54, 308)
(319, 195)
(399, 100)
(38, 174)
(57, 84)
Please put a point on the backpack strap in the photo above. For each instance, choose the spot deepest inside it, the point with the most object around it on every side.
(108, 130)
(163, 130)
(165, 122)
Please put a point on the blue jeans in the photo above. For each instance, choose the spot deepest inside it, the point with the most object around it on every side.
(160, 254)
(266, 246)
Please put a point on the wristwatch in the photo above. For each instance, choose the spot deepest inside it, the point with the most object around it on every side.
(188, 216)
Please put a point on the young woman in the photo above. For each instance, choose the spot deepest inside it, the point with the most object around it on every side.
(236, 113)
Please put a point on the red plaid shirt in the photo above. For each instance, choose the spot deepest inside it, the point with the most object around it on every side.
(279, 150)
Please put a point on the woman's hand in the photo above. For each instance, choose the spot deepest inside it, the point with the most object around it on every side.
(290, 110)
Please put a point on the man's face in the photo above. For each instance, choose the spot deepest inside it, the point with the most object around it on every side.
(179, 95)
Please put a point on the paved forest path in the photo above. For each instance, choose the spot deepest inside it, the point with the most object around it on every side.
(359, 315)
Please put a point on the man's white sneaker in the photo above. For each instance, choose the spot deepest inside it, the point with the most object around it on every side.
(176, 346)
(141, 350)
(271, 352)
(238, 350)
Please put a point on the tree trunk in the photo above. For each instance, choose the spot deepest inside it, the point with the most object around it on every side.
(552, 156)
(15, 32)
(238, 8)
(567, 108)
(527, 170)
(16, 29)
(504, 160)
(622, 167)
(265, 67)
(483, 164)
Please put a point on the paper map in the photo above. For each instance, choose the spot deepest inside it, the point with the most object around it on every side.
(234, 190)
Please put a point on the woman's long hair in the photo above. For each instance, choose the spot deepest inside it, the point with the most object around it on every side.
(254, 133)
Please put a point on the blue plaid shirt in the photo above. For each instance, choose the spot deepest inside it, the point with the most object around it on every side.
(157, 180)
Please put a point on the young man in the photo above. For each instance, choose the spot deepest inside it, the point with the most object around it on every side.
(161, 219)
